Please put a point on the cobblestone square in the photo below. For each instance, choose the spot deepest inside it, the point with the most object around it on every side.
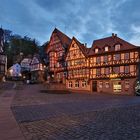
(76, 116)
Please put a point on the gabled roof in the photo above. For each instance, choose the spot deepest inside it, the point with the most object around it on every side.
(110, 41)
(81, 46)
(65, 40)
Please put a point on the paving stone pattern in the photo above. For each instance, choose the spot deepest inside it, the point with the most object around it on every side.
(76, 116)
(110, 124)
(38, 112)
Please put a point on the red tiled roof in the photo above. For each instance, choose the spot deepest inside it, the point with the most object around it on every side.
(110, 41)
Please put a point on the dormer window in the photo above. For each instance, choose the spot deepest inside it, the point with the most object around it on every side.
(117, 47)
(96, 50)
(106, 49)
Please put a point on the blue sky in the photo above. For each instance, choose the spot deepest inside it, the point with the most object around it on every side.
(87, 20)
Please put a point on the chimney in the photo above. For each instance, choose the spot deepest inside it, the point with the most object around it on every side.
(113, 34)
(85, 44)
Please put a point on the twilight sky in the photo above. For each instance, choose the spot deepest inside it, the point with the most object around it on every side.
(87, 20)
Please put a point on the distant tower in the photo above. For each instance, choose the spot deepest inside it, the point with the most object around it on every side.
(1, 40)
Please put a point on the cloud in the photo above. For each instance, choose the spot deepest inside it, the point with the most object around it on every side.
(135, 38)
(86, 20)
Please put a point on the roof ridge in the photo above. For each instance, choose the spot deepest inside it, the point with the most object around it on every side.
(58, 31)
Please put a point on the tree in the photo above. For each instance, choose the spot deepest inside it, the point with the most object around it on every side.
(17, 47)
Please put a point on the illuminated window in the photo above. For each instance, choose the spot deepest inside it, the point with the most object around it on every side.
(106, 49)
(70, 84)
(107, 84)
(117, 47)
(84, 83)
(77, 84)
(100, 84)
(117, 87)
(121, 69)
(96, 50)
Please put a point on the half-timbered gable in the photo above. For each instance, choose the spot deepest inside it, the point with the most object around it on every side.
(77, 65)
(37, 68)
(36, 64)
(56, 51)
(77, 61)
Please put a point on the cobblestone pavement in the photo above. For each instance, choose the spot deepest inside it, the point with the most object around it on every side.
(76, 116)
(111, 124)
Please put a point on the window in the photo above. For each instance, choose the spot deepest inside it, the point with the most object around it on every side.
(126, 68)
(117, 57)
(98, 72)
(121, 69)
(106, 49)
(100, 84)
(65, 74)
(84, 83)
(117, 87)
(76, 84)
(126, 56)
(117, 47)
(116, 70)
(96, 50)
(107, 84)
(107, 71)
(98, 60)
(58, 75)
(105, 59)
(70, 84)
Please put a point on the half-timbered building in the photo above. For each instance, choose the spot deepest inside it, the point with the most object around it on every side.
(3, 57)
(77, 66)
(56, 50)
(37, 68)
(113, 65)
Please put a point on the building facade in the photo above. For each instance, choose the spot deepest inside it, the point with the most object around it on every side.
(37, 69)
(111, 65)
(77, 66)
(56, 50)
(3, 57)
